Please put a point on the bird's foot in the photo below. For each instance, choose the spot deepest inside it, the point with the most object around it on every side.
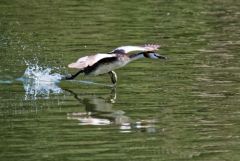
(67, 77)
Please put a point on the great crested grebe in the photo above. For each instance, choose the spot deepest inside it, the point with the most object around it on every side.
(105, 63)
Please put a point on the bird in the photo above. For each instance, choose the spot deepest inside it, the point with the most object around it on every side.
(103, 63)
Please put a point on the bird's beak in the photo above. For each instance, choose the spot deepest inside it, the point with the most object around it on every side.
(161, 57)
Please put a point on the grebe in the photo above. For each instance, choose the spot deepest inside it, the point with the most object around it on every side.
(105, 63)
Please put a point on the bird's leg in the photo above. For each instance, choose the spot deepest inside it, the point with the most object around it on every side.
(113, 76)
(113, 95)
(72, 76)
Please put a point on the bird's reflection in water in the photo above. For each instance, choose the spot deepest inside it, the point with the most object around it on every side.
(100, 111)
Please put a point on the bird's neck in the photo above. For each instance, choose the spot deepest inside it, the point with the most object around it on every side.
(136, 56)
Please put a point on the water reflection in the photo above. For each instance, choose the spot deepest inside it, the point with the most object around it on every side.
(40, 83)
(99, 110)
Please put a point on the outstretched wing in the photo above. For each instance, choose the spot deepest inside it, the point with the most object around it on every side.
(128, 49)
(86, 61)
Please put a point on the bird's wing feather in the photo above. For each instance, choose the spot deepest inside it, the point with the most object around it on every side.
(128, 49)
(86, 61)
(151, 47)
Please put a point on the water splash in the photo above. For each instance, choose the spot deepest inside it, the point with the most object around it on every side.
(41, 74)
(40, 81)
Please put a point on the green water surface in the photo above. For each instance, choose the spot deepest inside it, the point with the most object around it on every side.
(185, 108)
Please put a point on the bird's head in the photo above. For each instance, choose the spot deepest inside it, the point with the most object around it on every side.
(154, 56)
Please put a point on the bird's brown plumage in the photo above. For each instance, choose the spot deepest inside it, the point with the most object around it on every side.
(86, 61)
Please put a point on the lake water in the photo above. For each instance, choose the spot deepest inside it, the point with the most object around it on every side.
(185, 108)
